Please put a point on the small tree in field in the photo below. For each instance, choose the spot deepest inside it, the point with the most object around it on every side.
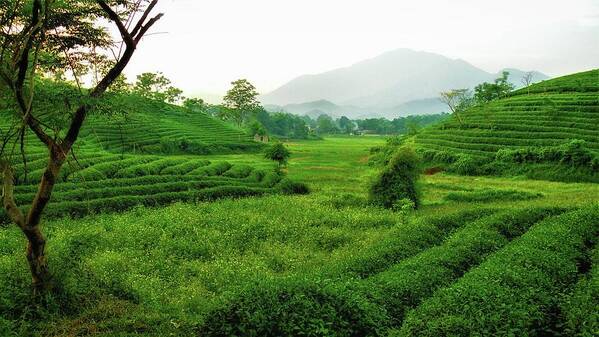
(279, 153)
(398, 180)
(38, 36)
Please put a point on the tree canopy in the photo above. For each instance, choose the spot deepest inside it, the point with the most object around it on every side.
(241, 101)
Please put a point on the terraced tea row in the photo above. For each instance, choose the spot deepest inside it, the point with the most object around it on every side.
(497, 273)
(175, 132)
(553, 125)
(107, 182)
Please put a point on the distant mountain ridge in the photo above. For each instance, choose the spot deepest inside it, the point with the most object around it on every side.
(382, 84)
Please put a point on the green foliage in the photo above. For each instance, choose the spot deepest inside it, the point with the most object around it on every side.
(489, 194)
(240, 102)
(195, 105)
(582, 307)
(283, 124)
(403, 125)
(405, 285)
(398, 180)
(574, 153)
(288, 186)
(487, 92)
(296, 308)
(326, 125)
(496, 300)
(550, 135)
(157, 87)
(279, 153)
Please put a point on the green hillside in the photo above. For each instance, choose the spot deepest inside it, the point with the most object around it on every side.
(155, 127)
(536, 126)
(148, 156)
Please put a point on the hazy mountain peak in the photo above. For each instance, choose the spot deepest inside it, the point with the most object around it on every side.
(388, 80)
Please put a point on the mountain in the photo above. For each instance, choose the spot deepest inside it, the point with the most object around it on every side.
(387, 81)
(317, 108)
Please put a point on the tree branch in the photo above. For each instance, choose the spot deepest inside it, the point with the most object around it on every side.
(143, 19)
(8, 199)
(146, 27)
(113, 73)
(114, 17)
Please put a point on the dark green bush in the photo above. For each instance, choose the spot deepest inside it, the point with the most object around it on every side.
(488, 194)
(574, 153)
(296, 307)
(271, 179)
(279, 153)
(398, 180)
(467, 165)
(287, 186)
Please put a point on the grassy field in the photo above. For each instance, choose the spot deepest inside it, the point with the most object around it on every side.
(324, 264)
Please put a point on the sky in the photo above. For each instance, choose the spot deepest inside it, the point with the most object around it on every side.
(202, 46)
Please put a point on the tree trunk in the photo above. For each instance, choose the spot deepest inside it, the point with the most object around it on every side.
(36, 249)
(36, 257)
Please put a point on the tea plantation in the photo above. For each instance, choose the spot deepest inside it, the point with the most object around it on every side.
(146, 157)
(155, 240)
(548, 131)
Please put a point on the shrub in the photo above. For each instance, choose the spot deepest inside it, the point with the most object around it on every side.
(296, 307)
(489, 194)
(270, 179)
(574, 153)
(398, 180)
(279, 153)
(468, 165)
(287, 186)
(239, 171)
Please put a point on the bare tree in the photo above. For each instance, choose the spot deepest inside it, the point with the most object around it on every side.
(25, 35)
(527, 80)
(457, 100)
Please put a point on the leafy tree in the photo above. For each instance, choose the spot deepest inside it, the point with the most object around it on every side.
(325, 125)
(240, 102)
(157, 87)
(283, 124)
(486, 92)
(457, 100)
(195, 104)
(256, 128)
(346, 125)
(46, 36)
(398, 180)
(279, 153)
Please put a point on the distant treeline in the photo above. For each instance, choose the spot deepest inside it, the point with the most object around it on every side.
(288, 125)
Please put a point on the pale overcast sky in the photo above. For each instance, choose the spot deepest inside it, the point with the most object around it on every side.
(208, 44)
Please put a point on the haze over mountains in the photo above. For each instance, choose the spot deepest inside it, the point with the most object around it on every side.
(396, 83)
